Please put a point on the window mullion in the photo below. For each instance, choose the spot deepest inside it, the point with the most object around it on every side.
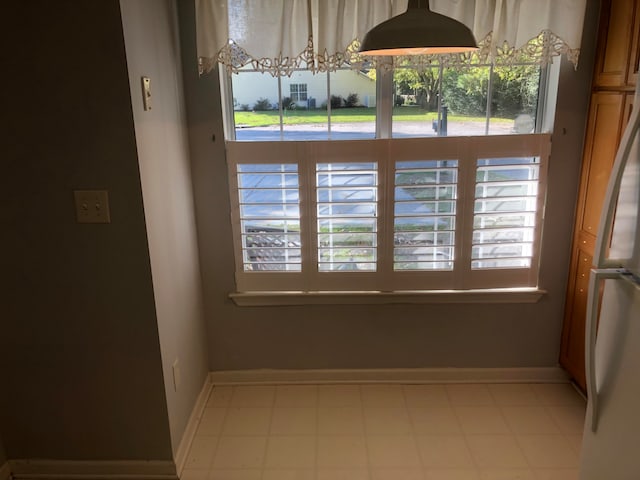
(384, 102)
(308, 222)
(329, 105)
(489, 100)
(386, 174)
(280, 115)
(464, 216)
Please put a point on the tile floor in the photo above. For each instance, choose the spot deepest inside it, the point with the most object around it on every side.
(389, 432)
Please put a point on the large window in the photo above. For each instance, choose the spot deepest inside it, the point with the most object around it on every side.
(430, 101)
(437, 181)
(388, 215)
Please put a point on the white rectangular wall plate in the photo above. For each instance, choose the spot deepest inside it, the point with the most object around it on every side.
(92, 206)
(146, 93)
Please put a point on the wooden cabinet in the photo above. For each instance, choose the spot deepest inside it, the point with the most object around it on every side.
(614, 40)
(603, 136)
(615, 76)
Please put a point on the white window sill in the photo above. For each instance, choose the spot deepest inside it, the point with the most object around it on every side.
(495, 295)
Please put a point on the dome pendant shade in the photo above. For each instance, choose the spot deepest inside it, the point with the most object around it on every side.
(418, 31)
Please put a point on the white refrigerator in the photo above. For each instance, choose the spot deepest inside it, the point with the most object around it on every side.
(611, 441)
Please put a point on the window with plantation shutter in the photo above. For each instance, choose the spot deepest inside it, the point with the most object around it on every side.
(394, 215)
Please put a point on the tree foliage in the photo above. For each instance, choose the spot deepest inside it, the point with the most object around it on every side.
(465, 92)
(425, 85)
(515, 90)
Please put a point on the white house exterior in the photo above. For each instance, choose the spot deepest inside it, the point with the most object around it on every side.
(305, 88)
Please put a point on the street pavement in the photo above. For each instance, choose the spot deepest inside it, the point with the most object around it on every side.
(364, 131)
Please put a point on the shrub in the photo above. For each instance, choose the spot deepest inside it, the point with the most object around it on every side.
(323, 106)
(352, 100)
(399, 101)
(244, 107)
(336, 101)
(288, 104)
(262, 104)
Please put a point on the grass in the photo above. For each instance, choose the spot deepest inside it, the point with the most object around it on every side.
(346, 115)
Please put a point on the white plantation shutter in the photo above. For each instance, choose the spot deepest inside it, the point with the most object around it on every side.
(505, 212)
(347, 211)
(425, 197)
(388, 215)
(269, 216)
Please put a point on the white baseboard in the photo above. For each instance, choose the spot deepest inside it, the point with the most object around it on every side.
(5, 471)
(92, 470)
(392, 375)
(192, 425)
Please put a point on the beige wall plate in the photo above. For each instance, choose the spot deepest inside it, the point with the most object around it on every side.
(92, 206)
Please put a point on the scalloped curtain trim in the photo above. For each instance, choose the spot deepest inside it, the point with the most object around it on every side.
(539, 50)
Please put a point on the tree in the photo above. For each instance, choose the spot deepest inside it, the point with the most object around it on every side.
(515, 90)
(465, 92)
(425, 85)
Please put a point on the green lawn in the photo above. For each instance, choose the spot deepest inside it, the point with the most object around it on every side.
(345, 115)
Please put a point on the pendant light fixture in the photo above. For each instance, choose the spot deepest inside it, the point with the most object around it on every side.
(418, 31)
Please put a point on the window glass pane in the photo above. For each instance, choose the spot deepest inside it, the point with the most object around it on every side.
(453, 101)
(464, 101)
(303, 117)
(352, 101)
(415, 102)
(269, 217)
(347, 213)
(514, 99)
(505, 212)
(255, 105)
(425, 208)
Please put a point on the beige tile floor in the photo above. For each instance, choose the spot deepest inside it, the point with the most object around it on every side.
(389, 432)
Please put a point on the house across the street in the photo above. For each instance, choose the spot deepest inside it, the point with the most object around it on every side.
(304, 88)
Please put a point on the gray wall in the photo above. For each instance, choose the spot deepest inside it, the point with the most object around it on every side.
(3, 455)
(151, 39)
(79, 350)
(498, 335)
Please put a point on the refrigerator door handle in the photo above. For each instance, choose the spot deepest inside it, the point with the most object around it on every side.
(591, 330)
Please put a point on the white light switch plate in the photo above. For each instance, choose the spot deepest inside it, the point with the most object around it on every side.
(146, 93)
(177, 377)
(92, 206)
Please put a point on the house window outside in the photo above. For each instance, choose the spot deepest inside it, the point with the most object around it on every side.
(298, 92)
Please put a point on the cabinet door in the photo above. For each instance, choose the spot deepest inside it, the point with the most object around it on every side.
(603, 136)
(572, 355)
(634, 57)
(616, 26)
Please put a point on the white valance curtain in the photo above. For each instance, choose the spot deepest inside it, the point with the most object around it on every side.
(279, 36)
